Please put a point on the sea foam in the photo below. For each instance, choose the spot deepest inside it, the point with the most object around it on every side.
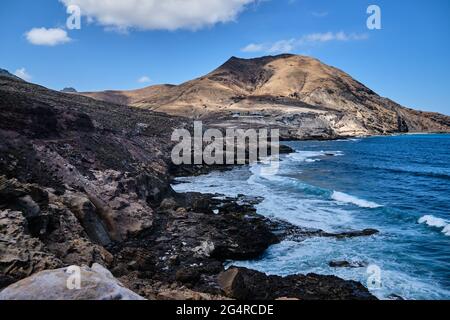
(435, 222)
(346, 198)
(311, 156)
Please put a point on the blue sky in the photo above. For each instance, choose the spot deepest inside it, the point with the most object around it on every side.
(407, 60)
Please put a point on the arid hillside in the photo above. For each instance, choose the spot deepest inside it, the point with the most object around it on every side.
(300, 95)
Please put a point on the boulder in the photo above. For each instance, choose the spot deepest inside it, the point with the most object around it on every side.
(232, 283)
(97, 283)
(245, 284)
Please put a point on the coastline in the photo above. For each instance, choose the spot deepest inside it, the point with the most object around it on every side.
(283, 230)
(88, 182)
(381, 210)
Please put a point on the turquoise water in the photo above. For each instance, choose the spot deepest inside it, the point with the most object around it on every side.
(399, 185)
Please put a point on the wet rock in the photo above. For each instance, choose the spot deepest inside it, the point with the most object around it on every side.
(97, 283)
(347, 264)
(284, 149)
(353, 234)
(287, 231)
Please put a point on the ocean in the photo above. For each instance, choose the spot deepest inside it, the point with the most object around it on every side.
(399, 185)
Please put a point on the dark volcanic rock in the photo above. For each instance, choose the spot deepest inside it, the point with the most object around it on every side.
(284, 149)
(287, 231)
(352, 234)
(347, 264)
(189, 245)
(245, 284)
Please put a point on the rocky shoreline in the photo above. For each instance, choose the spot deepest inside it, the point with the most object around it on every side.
(88, 183)
(181, 256)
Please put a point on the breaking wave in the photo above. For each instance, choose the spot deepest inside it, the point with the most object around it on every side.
(435, 222)
(346, 198)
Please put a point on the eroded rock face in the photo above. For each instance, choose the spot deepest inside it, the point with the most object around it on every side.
(20, 254)
(75, 176)
(97, 283)
(86, 213)
(125, 202)
(49, 238)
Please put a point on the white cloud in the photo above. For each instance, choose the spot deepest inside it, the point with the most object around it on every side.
(47, 37)
(330, 36)
(282, 46)
(144, 79)
(160, 14)
(23, 74)
(253, 47)
(289, 45)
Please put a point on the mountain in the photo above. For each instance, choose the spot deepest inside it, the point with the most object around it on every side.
(302, 96)
(69, 90)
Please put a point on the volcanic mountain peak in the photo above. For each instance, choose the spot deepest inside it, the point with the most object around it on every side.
(282, 76)
(299, 94)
